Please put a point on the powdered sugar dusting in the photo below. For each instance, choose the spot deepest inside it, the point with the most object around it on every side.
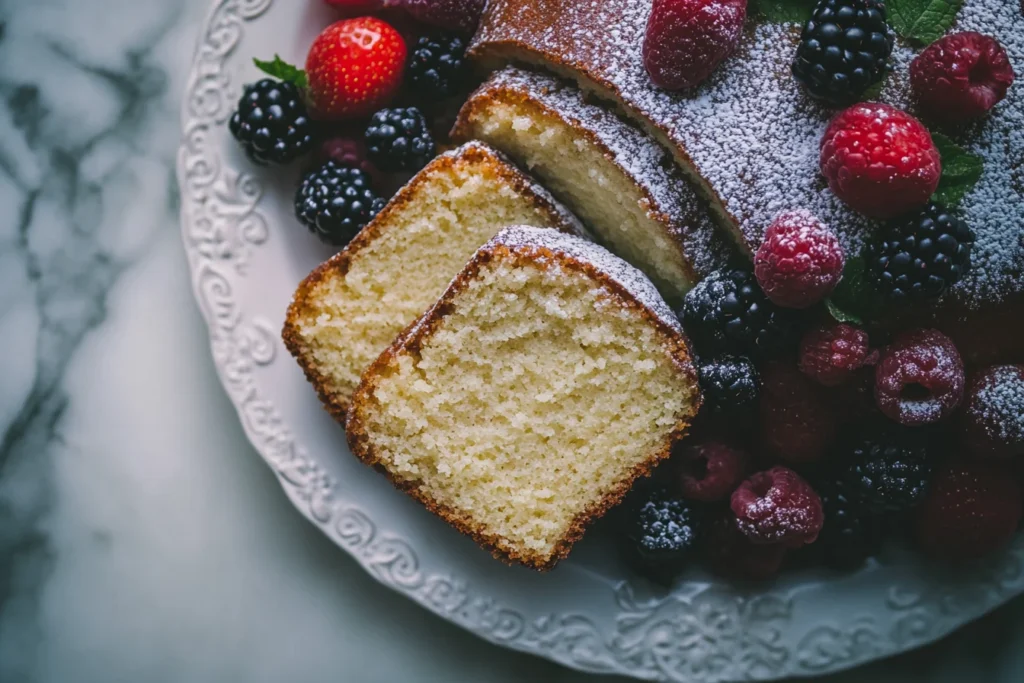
(673, 201)
(630, 278)
(998, 404)
(751, 135)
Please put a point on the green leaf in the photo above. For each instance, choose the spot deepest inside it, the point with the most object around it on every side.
(284, 71)
(875, 91)
(923, 20)
(856, 298)
(784, 11)
(961, 171)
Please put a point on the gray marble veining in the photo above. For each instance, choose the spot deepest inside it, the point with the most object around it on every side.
(140, 538)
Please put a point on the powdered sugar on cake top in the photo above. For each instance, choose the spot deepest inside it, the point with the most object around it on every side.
(642, 159)
(751, 135)
(630, 278)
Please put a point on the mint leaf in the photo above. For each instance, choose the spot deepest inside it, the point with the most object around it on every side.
(923, 20)
(785, 11)
(284, 71)
(856, 298)
(961, 171)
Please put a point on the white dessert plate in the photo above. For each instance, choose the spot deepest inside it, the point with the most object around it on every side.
(247, 253)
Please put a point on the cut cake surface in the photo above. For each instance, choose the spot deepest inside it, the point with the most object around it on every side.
(526, 401)
(351, 307)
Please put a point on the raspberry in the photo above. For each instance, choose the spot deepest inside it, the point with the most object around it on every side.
(797, 423)
(777, 506)
(961, 77)
(686, 40)
(711, 470)
(886, 470)
(831, 354)
(350, 152)
(800, 261)
(731, 386)
(662, 531)
(994, 413)
(920, 378)
(457, 15)
(973, 509)
(733, 555)
(879, 160)
(357, 5)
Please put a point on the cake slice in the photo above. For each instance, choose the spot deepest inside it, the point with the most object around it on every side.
(617, 179)
(525, 402)
(350, 308)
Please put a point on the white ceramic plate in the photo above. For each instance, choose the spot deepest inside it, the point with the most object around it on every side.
(247, 253)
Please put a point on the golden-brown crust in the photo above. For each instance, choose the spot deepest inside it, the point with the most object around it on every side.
(410, 342)
(488, 95)
(477, 154)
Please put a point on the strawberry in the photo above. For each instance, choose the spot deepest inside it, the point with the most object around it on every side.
(687, 39)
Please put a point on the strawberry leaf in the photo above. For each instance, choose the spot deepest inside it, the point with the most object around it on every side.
(961, 171)
(284, 71)
(924, 21)
(786, 11)
(840, 315)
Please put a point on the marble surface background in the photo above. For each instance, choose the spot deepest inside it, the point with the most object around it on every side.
(141, 539)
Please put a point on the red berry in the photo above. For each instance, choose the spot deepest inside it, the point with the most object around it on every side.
(971, 509)
(994, 413)
(711, 470)
(456, 15)
(687, 39)
(357, 5)
(800, 261)
(797, 423)
(920, 378)
(734, 556)
(354, 67)
(879, 160)
(778, 506)
(961, 76)
(831, 354)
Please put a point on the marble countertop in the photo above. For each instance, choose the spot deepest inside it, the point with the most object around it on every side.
(141, 539)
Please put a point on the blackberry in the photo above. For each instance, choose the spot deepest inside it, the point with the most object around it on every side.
(921, 256)
(887, 471)
(731, 387)
(844, 49)
(851, 533)
(336, 201)
(272, 123)
(437, 66)
(399, 140)
(727, 311)
(662, 532)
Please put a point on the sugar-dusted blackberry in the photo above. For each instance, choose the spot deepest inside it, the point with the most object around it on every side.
(851, 532)
(922, 255)
(336, 201)
(727, 311)
(272, 123)
(399, 139)
(661, 532)
(731, 386)
(437, 66)
(844, 49)
(886, 469)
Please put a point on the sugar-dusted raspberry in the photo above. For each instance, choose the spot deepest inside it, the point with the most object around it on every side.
(880, 160)
(920, 378)
(733, 555)
(796, 419)
(800, 260)
(351, 152)
(961, 76)
(972, 509)
(687, 39)
(993, 420)
(710, 471)
(777, 506)
(830, 354)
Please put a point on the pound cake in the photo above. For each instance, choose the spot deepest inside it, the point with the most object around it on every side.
(749, 136)
(618, 180)
(526, 401)
(350, 308)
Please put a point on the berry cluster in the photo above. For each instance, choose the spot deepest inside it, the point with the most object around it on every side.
(355, 69)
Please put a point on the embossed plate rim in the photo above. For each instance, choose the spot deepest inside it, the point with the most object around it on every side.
(702, 631)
